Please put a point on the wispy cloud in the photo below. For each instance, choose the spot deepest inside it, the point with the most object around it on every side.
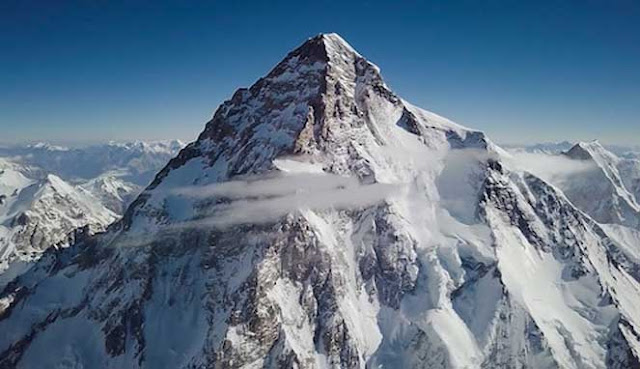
(551, 168)
(261, 200)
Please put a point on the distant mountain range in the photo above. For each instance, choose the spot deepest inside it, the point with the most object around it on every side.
(135, 162)
(557, 147)
(50, 194)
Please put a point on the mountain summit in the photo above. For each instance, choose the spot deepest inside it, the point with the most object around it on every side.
(601, 191)
(319, 220)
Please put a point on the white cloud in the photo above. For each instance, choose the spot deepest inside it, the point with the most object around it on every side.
(261, 200)
(552, 168)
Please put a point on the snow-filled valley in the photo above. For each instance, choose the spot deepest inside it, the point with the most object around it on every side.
(321, 221)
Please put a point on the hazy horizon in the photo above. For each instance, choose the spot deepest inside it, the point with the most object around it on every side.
(73, 144)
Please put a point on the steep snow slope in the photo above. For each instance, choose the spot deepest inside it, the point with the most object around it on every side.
(321, 221)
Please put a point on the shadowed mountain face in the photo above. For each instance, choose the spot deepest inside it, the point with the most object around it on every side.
(607, 192)
(319, 220)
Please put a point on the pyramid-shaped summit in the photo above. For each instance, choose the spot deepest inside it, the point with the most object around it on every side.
(321, 95)
(320, 221)
(322, 48)
(600, 189)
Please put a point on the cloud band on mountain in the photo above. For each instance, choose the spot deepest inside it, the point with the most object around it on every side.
(262, 200)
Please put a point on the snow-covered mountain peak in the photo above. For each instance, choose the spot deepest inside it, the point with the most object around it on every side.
(324, 47)
(590, 150)
(323, 104)
(166, 146)
(114, 193)
(320, 221)
(11, 177)
(39, 213)
(46, 146)
(136, 161)
(336, 47)
(603, 192)
(56, 183)
(579, 151)
(48, 194)
(593, 150)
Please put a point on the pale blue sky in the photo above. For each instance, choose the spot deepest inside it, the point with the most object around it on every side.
(521, 71)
